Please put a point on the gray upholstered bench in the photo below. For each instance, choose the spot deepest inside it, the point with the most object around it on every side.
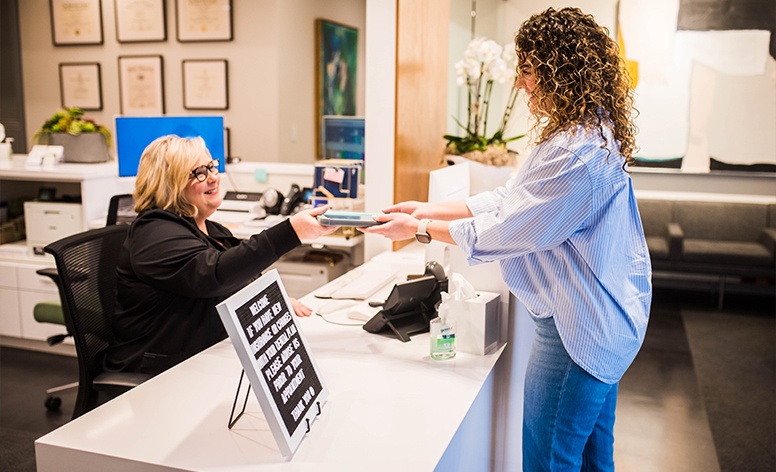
(722, 241)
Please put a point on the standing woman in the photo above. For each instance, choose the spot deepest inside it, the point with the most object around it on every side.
(568, 236)
(176, 265)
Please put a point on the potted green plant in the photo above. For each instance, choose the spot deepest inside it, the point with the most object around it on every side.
(82, 138)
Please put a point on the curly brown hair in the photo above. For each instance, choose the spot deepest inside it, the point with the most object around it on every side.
(580, 76)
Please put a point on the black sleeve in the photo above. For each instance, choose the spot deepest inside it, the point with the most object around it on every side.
(170, 256)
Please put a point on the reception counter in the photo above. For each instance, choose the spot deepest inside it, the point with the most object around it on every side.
(390, 408)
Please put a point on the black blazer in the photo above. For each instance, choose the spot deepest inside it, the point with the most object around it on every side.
(171, 276)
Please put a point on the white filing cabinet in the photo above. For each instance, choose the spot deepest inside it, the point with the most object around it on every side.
(10, 321)
(20, 289)
(20, 286)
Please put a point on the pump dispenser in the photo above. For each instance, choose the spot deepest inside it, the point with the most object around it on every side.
(442, 332)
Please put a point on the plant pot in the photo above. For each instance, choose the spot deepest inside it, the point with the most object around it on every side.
(83, 148)
(482, 177)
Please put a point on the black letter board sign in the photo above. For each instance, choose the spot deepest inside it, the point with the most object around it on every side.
(265, 334)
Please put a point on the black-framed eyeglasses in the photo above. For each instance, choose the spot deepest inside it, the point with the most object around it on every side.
(200, 173)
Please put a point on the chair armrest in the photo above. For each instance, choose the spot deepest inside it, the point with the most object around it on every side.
(768, 239)
(675, 241)
(49, 272)
(116, 383)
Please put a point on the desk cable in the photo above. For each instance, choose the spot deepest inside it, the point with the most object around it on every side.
(338, 323)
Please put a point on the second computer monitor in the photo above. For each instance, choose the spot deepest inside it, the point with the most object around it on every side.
(342, 137)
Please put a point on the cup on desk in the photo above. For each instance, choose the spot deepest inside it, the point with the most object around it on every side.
(6, 151)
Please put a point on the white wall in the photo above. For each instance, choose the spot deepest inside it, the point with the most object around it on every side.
(271, 70)
(499, 20)
(296, 119)
(730, 111)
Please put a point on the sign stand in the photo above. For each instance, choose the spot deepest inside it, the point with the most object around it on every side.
(232, 419)
(280, 368)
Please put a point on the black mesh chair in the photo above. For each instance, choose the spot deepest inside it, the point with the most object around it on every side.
(121, 210)
(86, 264)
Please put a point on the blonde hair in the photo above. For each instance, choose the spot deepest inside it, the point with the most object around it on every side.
(164, 173)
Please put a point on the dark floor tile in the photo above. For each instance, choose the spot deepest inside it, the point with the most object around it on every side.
(661, 421)
(24, 378)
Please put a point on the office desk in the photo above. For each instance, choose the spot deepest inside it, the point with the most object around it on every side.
(391, 408)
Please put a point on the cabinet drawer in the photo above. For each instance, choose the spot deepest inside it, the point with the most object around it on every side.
(8, 277)
(10, 315)
(29, 279)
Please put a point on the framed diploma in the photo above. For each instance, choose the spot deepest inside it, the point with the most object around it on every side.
(141, 85)
(205, 85)
(140, 21)
(204, 20)
(76, 22)
(80, 85)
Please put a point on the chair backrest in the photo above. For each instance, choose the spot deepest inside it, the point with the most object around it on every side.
(121, 210)
(86, 263)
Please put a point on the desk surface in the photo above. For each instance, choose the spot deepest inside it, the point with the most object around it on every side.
(391, 407)
(16, 169)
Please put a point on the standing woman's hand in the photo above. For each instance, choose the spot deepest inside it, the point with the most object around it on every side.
(417, 209)
(395, 226)
(306, 224)
(445, 211)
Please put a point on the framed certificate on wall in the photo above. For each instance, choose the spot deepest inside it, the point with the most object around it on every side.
(205, 84)
(140, 21)
(204, 20)
(141, 85)
(76, 22)
(80, 85)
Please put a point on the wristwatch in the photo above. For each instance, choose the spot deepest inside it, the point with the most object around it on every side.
(422, 235)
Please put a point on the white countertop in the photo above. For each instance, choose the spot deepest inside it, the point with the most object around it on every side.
(16, 169)
(390, 408)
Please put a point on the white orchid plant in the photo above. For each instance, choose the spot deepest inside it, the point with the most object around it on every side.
(484, 62)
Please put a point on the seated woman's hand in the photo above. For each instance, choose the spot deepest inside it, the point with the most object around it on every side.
(300, 309)
(306, 224)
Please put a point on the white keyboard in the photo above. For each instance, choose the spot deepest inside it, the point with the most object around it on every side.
(228, 217)
(358, 284)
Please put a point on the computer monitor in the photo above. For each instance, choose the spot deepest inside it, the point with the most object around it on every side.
(342, 137)
(134, 133)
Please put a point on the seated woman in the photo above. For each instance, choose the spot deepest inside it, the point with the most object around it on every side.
(176, 265)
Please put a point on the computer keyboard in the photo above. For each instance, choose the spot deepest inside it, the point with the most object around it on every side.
(358, 284)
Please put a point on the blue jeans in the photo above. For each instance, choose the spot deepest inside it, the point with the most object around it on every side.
(568, 415)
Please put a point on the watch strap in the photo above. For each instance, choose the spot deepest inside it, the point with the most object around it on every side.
(422, 234)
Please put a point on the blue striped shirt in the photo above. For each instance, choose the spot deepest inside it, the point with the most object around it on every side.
(568, 235)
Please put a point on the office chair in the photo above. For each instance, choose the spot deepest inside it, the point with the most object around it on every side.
(51, 312)
(120, 211)
(86, 266)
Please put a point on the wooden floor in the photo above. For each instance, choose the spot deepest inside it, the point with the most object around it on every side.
(662, 423)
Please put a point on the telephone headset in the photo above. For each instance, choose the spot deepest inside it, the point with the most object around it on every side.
(293, 198)
(271, 200)
(274, 203)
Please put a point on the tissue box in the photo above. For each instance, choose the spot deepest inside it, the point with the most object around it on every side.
(477, 323)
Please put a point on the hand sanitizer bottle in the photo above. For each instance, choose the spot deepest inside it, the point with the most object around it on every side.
(442, 333)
